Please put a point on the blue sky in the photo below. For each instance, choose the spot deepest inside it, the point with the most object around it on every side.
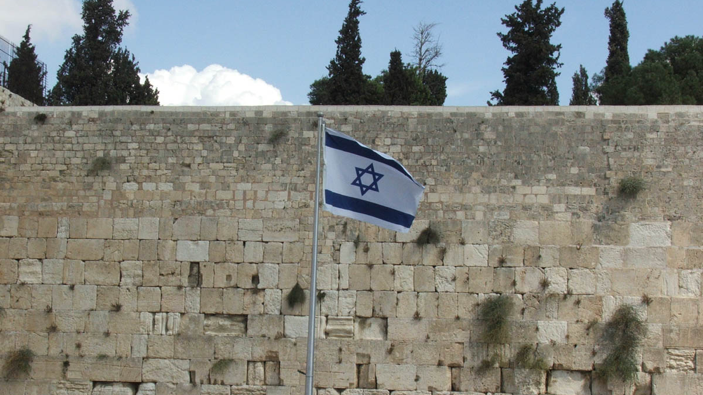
(270, 51)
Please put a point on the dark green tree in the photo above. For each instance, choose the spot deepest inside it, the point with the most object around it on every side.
(95, 70)
(613, 83)
(581, 92)
(25, 75)
(685, 55)
(618, 63)
(346, 82)
(397, 82)
(436, 82)
(530, 73)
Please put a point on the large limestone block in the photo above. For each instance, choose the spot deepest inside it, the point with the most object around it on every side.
(445, 278)
(650, 234)
(85, 249)
(645, 257)
(524, 381)
(125, 228)
(8, 271)
(149, 228)
(434, 378)
(555, 233)
(474, 232)
(396, 377)
(227, 228)
(166, 370)
(526, 233)
(99, 228)
(582, 281)
(187, 228)
(552, 331)
(280, 229)
(340, 327)
(382, 277)
(476, 255)
(251, 229)
(192, 251)
(8, 225)
(562, 382)
(234, 373)
(30, 271)
(578, 257)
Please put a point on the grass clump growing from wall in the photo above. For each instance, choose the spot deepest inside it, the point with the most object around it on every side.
(99, 164)
(296, 296)
(277, 137)
(622, 335)
(39, 119)
(220, 366)
(630, 187)
(528, 358)
(18, 364)
(428, 236)
(493, 314)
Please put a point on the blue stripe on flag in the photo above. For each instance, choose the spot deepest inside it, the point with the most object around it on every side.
(372, 209)
(353, 147)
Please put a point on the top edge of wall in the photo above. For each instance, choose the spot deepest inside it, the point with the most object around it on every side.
(411, 109)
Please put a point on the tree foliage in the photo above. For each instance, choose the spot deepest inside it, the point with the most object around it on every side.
(25, 75)
(613, 82)
(346, 82)
(581, 91)
(530, 73)
(400, 84)
(96, 71)
(672, 75)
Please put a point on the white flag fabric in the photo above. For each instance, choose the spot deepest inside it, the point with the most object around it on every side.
(368, 185)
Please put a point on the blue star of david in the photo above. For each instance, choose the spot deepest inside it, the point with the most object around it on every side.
(374, 184)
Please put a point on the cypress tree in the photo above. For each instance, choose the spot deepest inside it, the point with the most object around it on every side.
(95, 70)
(618, 63)
(614, 81)
(346, 77)
(25, 76)
(397, 82)
(530, 73)
(581, 92)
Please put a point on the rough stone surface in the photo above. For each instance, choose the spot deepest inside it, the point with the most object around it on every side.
(186, 252)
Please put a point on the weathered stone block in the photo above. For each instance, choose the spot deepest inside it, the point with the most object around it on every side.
(187, 228)
(251, 229)
(396, 377)
(148, 228)
(85, 249)
(192, 251)
(280, 230)
(125, 228)
(562, 382)
(650, 234)
(166, 370)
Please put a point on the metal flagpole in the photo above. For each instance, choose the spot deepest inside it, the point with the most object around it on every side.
(310, 364)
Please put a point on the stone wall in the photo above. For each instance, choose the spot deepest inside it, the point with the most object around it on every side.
(152, 250)
(9, 99)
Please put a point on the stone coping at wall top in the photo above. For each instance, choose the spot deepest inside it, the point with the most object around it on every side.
(392, 109)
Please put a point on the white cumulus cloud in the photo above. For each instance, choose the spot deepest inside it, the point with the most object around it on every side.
(213, 86)
(50, 19)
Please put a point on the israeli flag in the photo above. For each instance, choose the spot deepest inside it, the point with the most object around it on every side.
(368, 185)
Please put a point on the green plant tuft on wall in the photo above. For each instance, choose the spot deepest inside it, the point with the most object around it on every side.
(18, 364)
(40, 119)
(630, 187)
(622, 335)
(277, 137)
(296, 296)
(99, 164)
(428, 236)
(493, 314)
(221, 366)
(528, 358)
